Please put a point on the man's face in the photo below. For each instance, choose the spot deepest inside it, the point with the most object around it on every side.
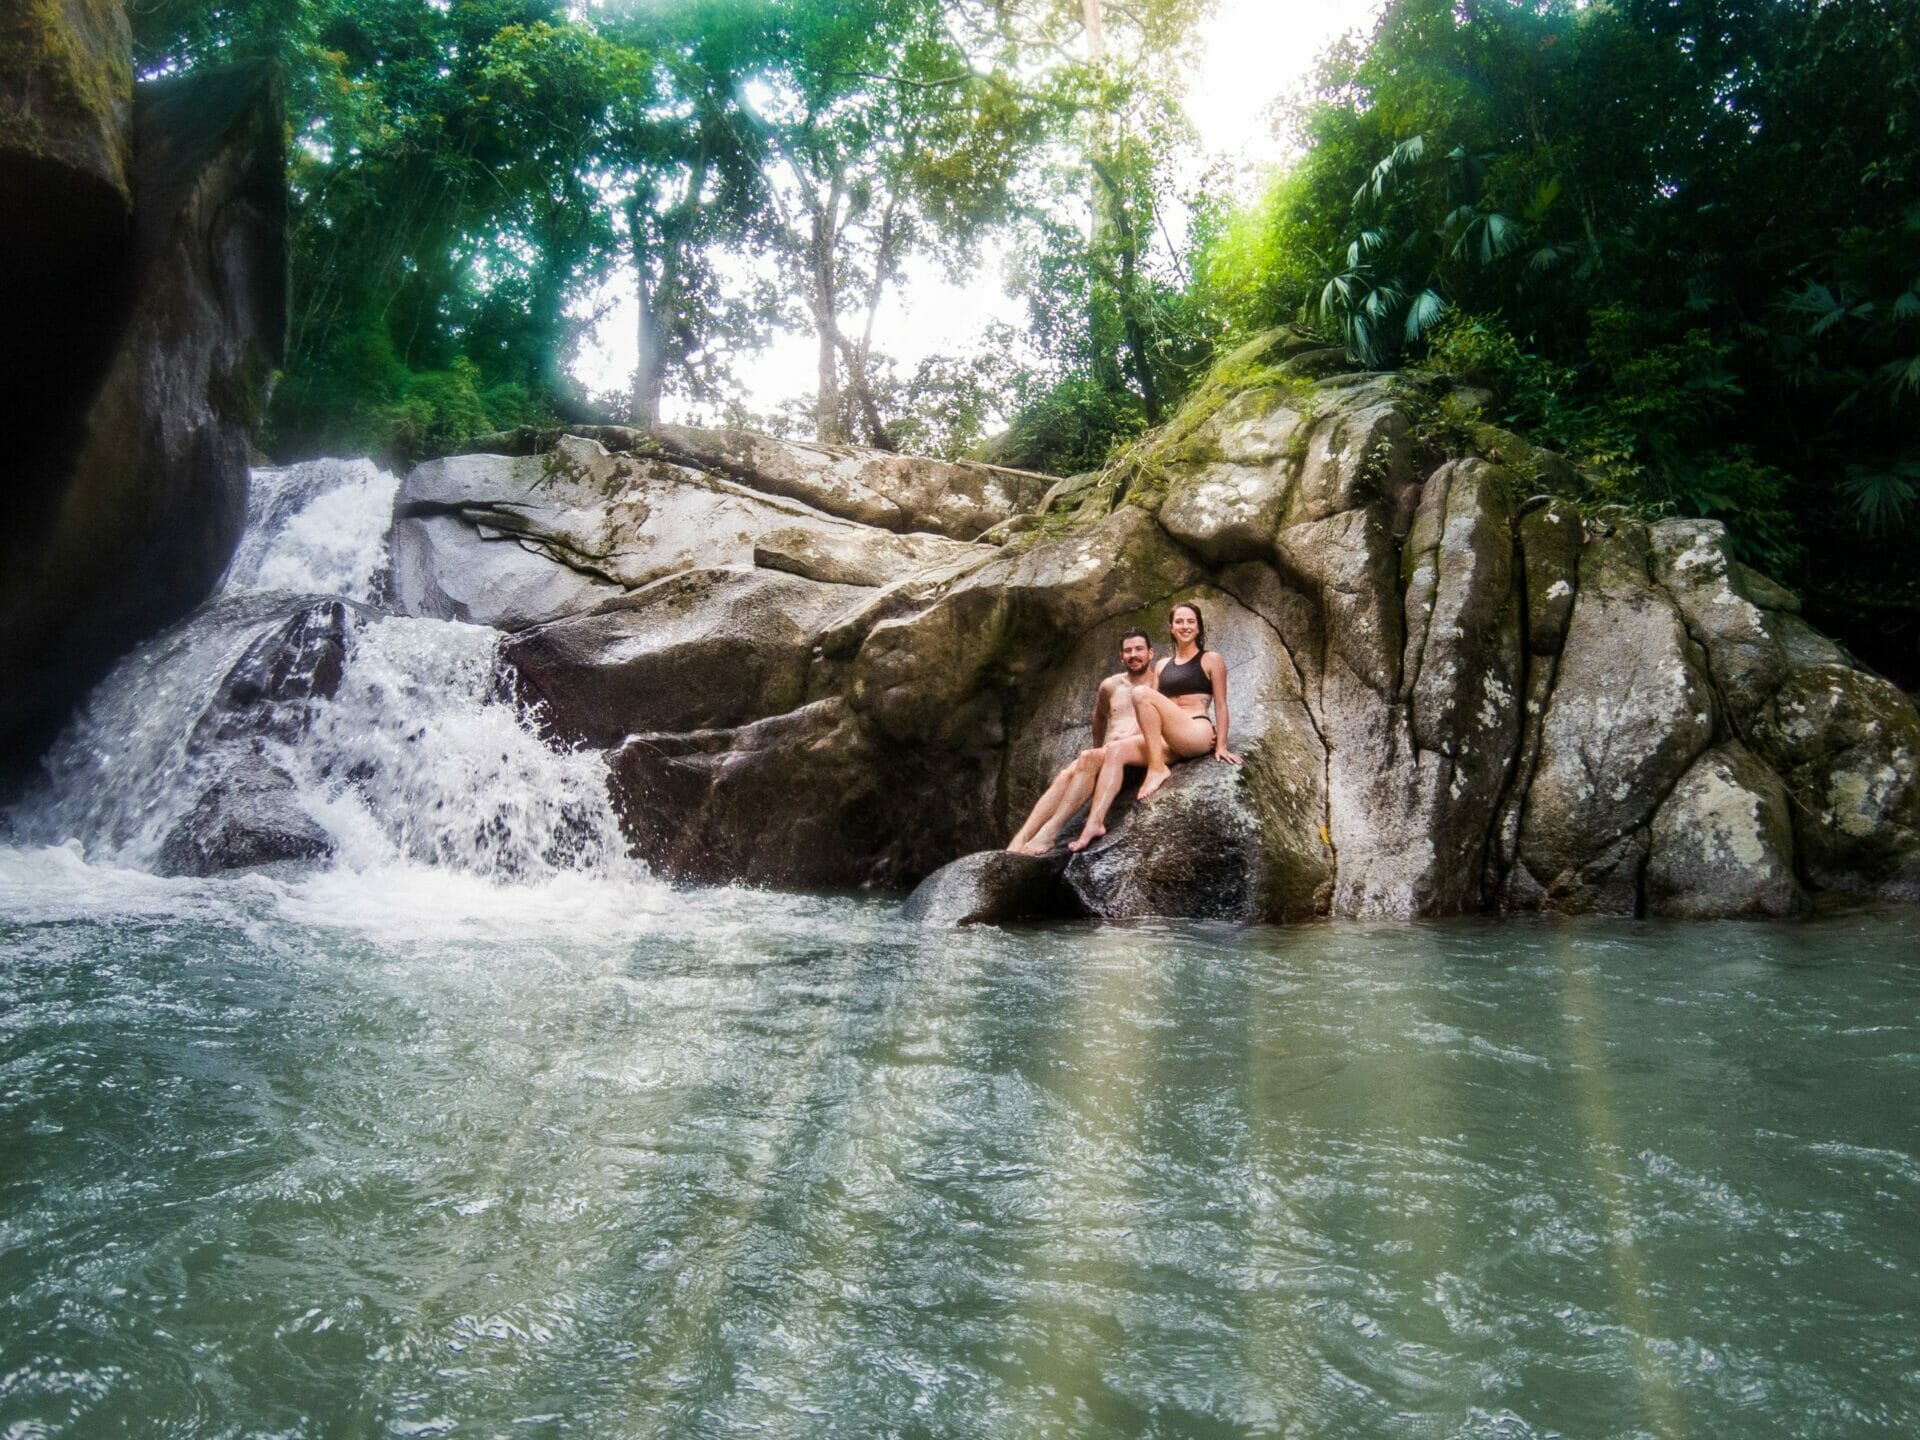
(1136, 654)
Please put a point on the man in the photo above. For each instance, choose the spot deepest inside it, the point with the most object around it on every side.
(1117, 743)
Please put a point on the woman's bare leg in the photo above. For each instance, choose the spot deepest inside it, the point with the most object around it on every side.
(1185, 735)
(1112, 773)
(1153, 727)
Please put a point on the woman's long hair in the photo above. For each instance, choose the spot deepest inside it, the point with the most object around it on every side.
(1201, 638)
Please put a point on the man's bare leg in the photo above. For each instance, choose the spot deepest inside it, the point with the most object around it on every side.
(1043, 807)
(1048, 806)
(1112, 772)
(1085, 775)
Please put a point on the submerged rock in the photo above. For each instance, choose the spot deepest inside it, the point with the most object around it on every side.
(805, 669)
(991, 887)
(250, 815)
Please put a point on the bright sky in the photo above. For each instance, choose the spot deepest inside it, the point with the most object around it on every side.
(1255, 51)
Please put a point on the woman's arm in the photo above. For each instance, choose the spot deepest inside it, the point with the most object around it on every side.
(1216, 670)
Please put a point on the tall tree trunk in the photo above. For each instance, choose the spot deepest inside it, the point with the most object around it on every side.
(1139, 357)
(648, 370)
(860, 356)
(1100, 203)
(829, 421)
(1124, 241)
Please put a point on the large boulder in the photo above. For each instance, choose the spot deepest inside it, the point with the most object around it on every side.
(1196, 849)
(1630, 711)
(1847, 746)
(805, 798)
(133, 506)
(1722, 842)
(250, 814)
(515, 541)
(1445, 701)
(695, 651)
(270, 691)
(66, 208)
(960, 500)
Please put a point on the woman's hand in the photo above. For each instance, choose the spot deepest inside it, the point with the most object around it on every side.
(1220, 752)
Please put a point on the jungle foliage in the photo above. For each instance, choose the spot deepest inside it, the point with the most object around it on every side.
(1679, 241)
(469, 173)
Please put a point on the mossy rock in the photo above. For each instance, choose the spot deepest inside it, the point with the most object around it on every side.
(66, 91)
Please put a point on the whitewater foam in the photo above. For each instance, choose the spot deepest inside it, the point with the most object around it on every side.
(421, 756)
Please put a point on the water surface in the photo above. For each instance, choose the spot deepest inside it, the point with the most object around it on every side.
(411, 1152)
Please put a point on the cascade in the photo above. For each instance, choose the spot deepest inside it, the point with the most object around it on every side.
(414, 752)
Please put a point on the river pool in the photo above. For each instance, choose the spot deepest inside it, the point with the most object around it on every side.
(412, 1152)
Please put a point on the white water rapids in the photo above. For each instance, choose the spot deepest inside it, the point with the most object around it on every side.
(421, 760)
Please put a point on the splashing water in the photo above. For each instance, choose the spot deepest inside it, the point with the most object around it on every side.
(421, 757)
(317, 528)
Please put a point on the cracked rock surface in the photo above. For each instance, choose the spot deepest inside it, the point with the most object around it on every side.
(811, 665)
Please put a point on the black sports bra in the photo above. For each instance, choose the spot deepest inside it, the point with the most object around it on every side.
(1185, 678)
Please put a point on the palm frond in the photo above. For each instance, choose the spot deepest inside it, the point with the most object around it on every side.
(1903, 375)
(1499, 236)
(1426, 311)
(1881, 498)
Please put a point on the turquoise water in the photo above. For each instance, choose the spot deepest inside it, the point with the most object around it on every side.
(405, 1153)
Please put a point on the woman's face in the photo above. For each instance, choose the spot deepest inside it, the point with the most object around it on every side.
(1185, 625)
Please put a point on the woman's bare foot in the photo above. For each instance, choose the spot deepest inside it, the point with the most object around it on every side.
(1088, 834)
(1037, 847)
(1157, 776)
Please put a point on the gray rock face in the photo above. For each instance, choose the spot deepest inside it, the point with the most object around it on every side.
(806, 673)
(1629, 712)
(134, 500)
(1722, 842)
(66, 205)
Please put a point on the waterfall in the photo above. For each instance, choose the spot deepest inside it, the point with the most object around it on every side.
(399, 738)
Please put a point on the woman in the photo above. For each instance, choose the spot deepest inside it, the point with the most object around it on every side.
(1173, 716)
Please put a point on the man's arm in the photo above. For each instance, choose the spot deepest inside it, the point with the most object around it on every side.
(1102, 705)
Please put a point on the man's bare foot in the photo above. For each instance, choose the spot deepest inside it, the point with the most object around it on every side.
(1156, 777)
(1088, 834)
